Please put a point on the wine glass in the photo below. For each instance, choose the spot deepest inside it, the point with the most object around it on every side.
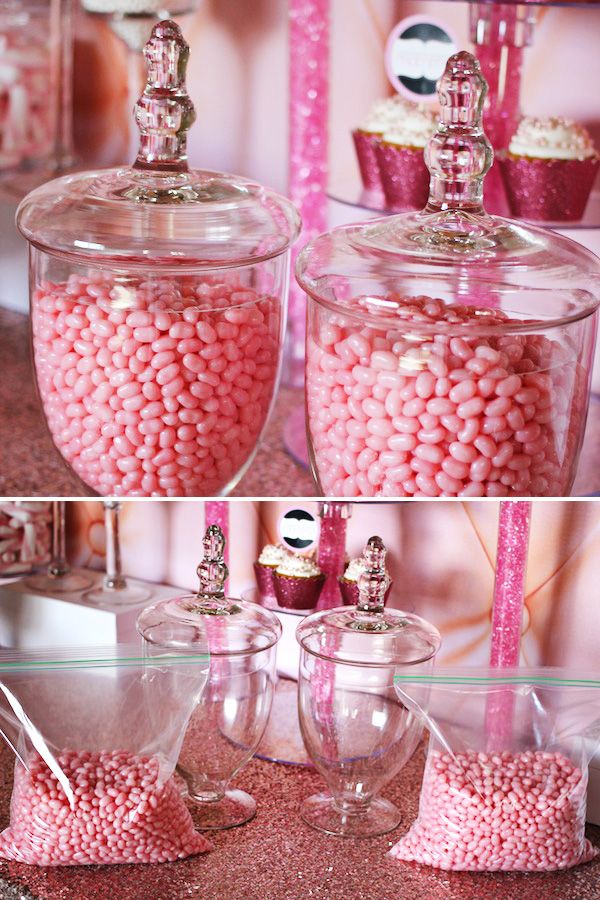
(115, 589)
(59, 578)
(355, 728)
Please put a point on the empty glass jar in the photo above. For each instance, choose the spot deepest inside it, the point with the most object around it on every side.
(448, 351)
(158, 299)
(229, 721)
(356, 731)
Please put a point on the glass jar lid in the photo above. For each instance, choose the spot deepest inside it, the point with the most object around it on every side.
(369, 634)
(453, 250)
(159, 211)
(230, 627)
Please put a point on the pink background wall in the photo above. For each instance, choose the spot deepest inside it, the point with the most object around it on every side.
(441, 557)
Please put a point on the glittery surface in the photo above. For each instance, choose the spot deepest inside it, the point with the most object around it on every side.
(548, 189)
(265, 579)
(368, 162)
(509, 585)
(298, 593)
(349, 592)
(507, 612)
(277, 857)
(332, 551)
(404, 176)
(308, 112)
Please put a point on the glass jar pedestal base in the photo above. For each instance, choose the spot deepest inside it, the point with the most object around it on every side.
(131, 595)
(234, 808)
(322, 812)
(70, 583)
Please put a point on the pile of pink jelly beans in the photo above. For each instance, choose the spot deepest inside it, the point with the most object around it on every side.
(26, 116)
(120, 814)
(499, 812)
(442, 415)
(155, 388)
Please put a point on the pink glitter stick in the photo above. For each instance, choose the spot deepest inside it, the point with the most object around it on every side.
(308, 113)
(509, 586)
(507, 613)
(332, 549)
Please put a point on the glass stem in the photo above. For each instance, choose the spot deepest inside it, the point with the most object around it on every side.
(114, 580)
(59, 565)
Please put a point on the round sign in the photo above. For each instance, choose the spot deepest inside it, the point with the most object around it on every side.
(298, 529)
(415, 56)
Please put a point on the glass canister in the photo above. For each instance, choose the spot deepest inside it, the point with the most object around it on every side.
(355, 730)
(448, 351)
(158, 298)
(35, 89)
(227, 725)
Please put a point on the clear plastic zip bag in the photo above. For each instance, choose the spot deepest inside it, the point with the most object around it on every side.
(96, 735)
(505, 781)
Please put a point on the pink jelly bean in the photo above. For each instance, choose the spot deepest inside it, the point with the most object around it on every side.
(489, 812)
(486, 403)
(121, 812)
(149, 370)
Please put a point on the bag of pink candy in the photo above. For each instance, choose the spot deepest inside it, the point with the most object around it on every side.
(505, 781)
(96, 734)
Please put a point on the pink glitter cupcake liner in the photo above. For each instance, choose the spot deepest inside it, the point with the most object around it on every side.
(265, 581)
(349, 591)
(366, 151)
(404, 176)
(548, 189)
(298, 593)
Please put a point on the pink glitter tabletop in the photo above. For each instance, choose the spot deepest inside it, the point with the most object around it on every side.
(277, 857)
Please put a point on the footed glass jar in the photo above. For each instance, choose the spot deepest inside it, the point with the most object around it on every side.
(229, 721)
(355, 731)
(158, 300)
(448, 351)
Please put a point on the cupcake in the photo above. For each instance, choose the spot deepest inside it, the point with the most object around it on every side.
(264, 569)
(404, 175)
(549, 169)
(298, 582)
(381, 117)
(348, 582)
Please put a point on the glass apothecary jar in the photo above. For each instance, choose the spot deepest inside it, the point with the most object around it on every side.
(158, 301)
(229, 721)
(36, 47)
(356, 732)
(448, 351)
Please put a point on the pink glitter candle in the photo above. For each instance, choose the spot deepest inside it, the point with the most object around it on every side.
(507, 612)
(509, 586)
(332, 548)
(308, 112)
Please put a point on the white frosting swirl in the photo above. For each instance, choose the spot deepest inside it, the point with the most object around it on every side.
(298, 566)
(387, 115)
(354, 569)
(414, 128)
(272, 555)
(551, 138)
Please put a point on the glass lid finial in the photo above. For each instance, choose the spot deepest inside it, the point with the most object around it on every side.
(459, 154)
(212, 573)
(164, 112)
(373, 583)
